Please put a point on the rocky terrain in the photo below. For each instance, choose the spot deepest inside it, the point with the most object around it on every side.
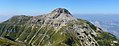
(58, 28)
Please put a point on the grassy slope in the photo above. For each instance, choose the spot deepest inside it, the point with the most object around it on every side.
(56, 39)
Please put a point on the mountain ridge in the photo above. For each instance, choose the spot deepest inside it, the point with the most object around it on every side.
(58, 28)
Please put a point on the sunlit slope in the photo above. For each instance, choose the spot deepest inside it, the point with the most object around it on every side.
(58, 28)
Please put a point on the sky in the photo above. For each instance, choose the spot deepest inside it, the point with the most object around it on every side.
(10, 8)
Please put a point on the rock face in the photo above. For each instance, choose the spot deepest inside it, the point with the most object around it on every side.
(58, 28)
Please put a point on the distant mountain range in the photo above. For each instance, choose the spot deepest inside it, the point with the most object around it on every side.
(57, 28)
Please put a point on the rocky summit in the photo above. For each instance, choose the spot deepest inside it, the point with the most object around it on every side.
(58, 28)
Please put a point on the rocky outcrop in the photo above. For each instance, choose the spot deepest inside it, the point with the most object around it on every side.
(58, 28)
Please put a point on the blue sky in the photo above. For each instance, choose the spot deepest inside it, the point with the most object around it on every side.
(9, 8)
(43, 6)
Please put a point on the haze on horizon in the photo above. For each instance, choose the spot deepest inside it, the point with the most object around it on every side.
(10, 8)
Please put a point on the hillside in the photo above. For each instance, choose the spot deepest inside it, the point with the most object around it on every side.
(58, 28)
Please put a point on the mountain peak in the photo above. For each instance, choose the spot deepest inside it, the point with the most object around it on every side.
(53, 29)
(61, 10)
(62, 14)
